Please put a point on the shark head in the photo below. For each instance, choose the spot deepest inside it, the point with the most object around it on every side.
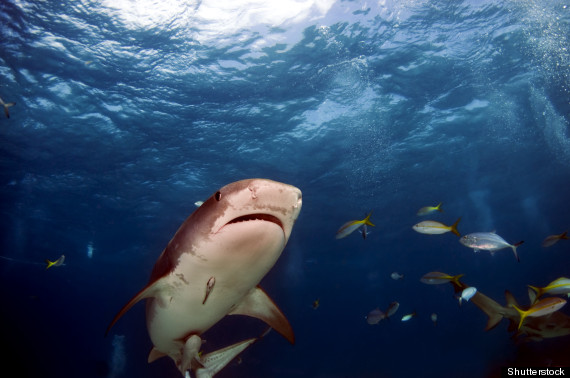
(244, 217)
(213, 264)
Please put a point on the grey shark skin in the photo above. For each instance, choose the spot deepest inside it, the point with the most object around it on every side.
(236, 236)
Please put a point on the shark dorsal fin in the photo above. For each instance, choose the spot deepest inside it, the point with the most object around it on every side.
(257, 304)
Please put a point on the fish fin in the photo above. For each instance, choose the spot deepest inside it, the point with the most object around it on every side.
(563, 235)
(367, 220)
(438, 207)
(511, 301)
(494, 319)
(155, 354)
(514, 247)
(534, 293)
(6, 111)
(454, 227)
(456, 279)
(147, 292)
(49, 264)
(257, 304)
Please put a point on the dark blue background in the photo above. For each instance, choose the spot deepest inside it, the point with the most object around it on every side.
(121, 125)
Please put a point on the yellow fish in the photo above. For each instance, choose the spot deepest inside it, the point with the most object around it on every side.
(58, 262)
(558, 286)
(349, 227)
(429, 209)
(553, 239)
(316, 303)
(432, 227)
(437, 278)
(541, 308)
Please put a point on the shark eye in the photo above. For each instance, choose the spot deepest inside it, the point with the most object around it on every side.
(218, 196)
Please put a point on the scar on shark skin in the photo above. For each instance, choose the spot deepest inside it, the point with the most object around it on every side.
(182, 278)
(209, 286)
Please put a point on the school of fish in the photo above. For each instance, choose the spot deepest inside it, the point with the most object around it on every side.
(538, 320)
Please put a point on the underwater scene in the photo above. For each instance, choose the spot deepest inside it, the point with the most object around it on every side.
(292, 188)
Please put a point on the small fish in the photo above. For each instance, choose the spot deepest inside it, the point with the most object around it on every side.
(364, 231)
(541, 308)
(407, 317)
(6, 105)
(392, 308)
(209, 287)
(434, 318)
(375, 316)
(488, 241)
(58, 262)
(396, 276)
(558, 286)
(316, 303)
(467, 294)
(349, 227)
(433, 228)
(437, 278)
(553, 239)
(429, 209)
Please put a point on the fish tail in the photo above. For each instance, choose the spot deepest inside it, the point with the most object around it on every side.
(456, 279)
(367, 220)
(564, 236)
(453, 227)
(438, 207)
(49, 264)
(521, 313)
(514, 247)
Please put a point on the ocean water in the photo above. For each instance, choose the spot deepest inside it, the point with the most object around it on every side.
(128, 112)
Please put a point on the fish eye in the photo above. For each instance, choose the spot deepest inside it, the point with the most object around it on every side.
(218, 196)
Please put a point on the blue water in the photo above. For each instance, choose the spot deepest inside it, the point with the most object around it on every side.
(128, 112)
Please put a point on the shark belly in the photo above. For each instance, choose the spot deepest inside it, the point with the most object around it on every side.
(178, 312)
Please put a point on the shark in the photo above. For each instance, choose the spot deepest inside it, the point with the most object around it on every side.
(212, 268)
(556, 324)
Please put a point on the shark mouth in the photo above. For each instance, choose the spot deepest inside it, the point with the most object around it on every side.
(257, 217)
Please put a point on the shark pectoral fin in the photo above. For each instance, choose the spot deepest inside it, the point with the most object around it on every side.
(155, 354)
(146, 292)
(494, 319)
(258, 305)
(215, 361)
